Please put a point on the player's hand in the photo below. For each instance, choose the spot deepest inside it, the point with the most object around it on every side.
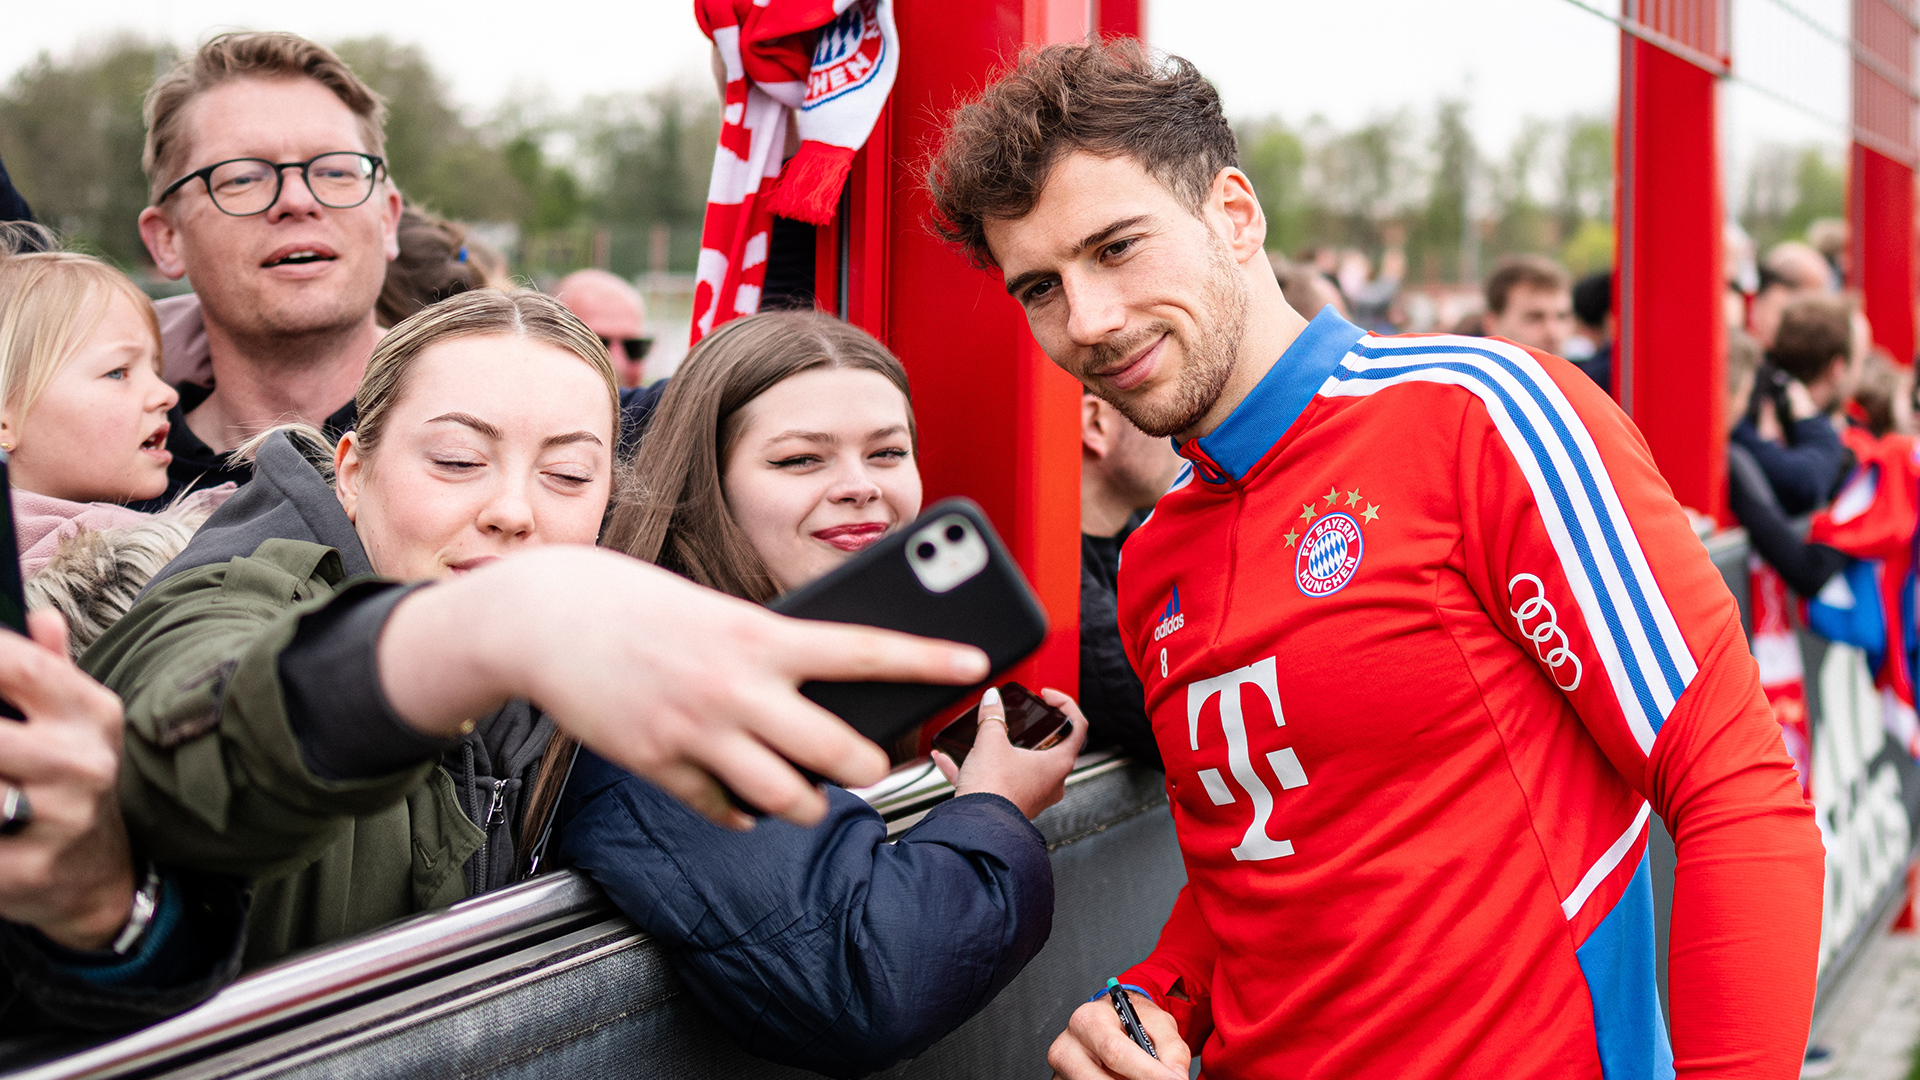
(1096, 1047)
(1030, 779)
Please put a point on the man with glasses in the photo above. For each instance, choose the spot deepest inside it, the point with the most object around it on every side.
(265, 155)
(611, 308)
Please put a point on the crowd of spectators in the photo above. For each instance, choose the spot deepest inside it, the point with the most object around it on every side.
(250, 731)
(270, 740)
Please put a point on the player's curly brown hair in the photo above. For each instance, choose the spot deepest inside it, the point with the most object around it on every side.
(1111, 98)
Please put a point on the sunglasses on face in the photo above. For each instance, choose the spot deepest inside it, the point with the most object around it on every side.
(636, 348)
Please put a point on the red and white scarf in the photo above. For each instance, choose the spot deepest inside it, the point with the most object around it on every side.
(832, 60)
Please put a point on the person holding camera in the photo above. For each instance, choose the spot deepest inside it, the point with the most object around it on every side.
(1808, 377)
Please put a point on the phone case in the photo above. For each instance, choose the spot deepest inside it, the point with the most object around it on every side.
(993, 608)
(13, 596)
(1032, 724)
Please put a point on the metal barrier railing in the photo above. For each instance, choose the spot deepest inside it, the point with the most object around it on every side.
(411, 996)
(1866, 790)
(545, 977)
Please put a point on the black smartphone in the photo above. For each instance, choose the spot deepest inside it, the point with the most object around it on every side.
(947, 575)
(1032, 724)
(13, 595)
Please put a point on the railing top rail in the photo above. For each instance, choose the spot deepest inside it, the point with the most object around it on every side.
(424, 942)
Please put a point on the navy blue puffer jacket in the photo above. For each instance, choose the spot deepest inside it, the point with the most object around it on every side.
(827, 948)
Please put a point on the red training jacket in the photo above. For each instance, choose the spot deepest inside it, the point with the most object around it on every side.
(1425, 641)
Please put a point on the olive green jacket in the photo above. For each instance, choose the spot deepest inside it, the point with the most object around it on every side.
(213, 775)
(213, 778)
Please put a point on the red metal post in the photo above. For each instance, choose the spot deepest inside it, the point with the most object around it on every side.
(1670, 353)
(998, 422)
(1883, 263)
(1121, 18)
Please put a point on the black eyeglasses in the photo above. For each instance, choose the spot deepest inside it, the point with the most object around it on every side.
(243, 187)
(636, 348)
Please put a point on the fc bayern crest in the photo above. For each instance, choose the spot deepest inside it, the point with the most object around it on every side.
(847, 55)
(1329, 555)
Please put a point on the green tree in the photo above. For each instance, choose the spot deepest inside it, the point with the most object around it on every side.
(1275, 159)
(1787, 189)
(1523, 224)
(651, 155)
(71, 134)
(655, 152)
(436, 157)
(1437, 247)
(1361, 179)
(554, 197)
(1585, 182)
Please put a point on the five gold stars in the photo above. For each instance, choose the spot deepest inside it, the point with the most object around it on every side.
(1332, 498)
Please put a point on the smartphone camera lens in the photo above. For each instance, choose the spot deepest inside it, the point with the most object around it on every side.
(924, 550)
(955, 533)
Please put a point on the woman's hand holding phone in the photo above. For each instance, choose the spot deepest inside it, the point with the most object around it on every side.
(1030, 779)
(679, 684)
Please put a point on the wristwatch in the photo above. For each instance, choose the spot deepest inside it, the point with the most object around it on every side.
(145, 902)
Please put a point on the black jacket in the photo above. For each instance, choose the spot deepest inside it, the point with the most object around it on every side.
(1110, 693)
(191, 949)
(13, 205)
(1805, 567)
(1805, 472)
(827, 948)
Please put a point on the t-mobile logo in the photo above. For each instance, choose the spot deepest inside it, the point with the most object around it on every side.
(1256, 845)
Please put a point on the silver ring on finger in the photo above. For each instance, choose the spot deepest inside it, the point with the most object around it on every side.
(16, 813)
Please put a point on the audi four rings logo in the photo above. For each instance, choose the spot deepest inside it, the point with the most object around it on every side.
(1544, 632)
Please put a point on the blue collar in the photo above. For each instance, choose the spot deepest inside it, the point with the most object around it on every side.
(1258, 422)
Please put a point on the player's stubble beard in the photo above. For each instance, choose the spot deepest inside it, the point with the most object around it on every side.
(1220, 325)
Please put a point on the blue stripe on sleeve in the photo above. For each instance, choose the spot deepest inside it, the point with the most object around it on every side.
(1611, 617)
(1618, 962)
(1675, 684)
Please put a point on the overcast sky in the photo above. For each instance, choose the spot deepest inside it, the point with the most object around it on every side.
(1344, 59)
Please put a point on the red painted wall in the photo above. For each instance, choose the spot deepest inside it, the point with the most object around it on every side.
(1670, 359)
(998, 422)
(1884, 267)
(1882, 257)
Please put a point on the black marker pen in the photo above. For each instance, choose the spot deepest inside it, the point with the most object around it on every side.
(1129, 1019)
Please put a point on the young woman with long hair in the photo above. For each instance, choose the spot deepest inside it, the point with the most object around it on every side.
(784, 445)
(328, 692)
